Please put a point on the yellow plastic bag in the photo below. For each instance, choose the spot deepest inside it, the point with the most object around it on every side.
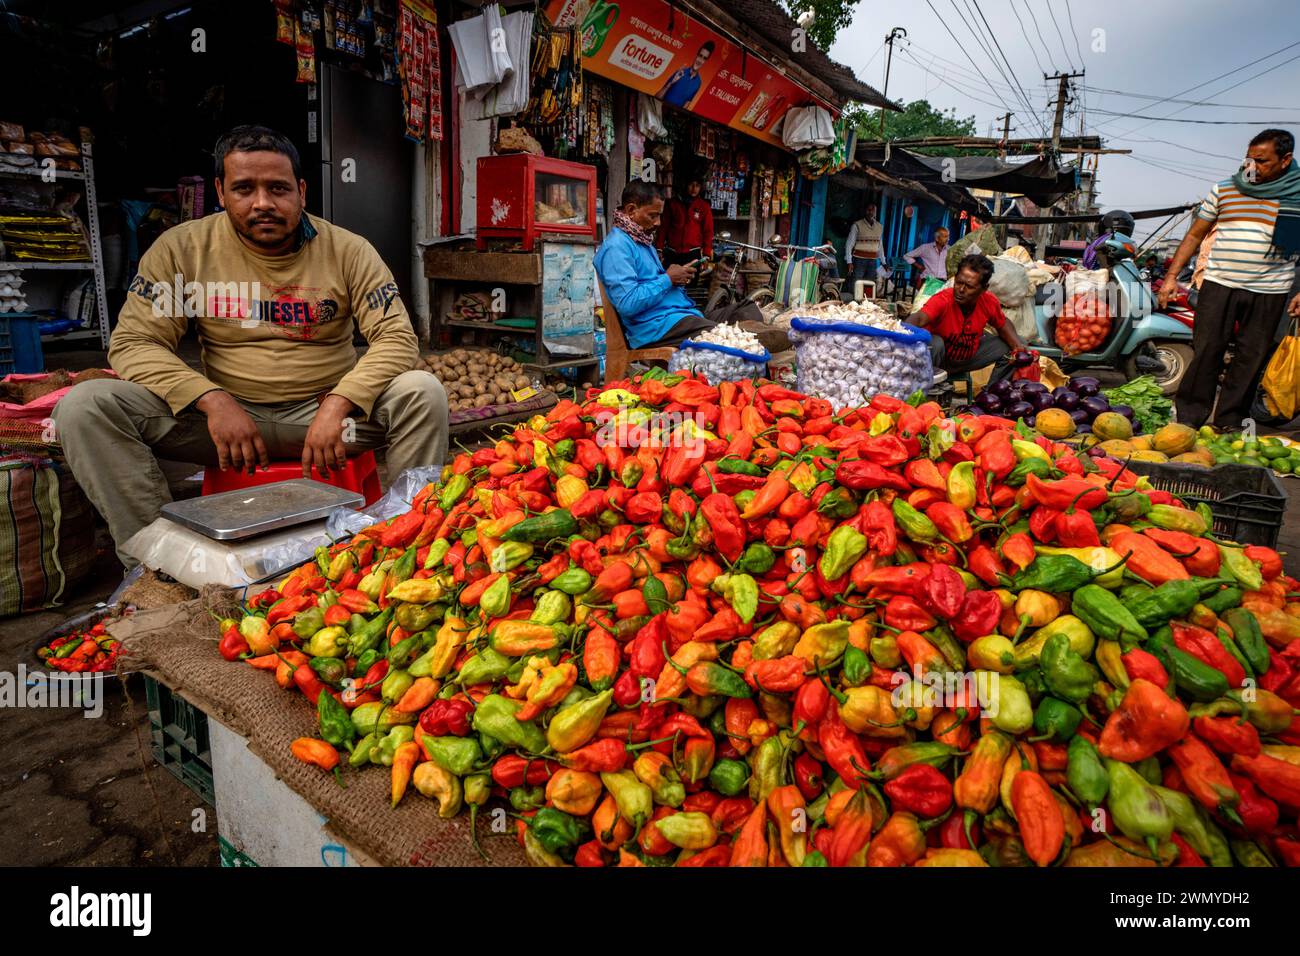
(1282, 377)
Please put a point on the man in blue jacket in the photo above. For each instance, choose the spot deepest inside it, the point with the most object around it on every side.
(651, 306)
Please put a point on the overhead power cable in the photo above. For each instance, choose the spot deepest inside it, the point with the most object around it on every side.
(998, 45)
(1060, 36)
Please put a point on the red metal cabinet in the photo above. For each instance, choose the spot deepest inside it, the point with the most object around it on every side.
(521, 196)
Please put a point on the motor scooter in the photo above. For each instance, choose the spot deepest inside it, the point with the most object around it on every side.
(1141, 340)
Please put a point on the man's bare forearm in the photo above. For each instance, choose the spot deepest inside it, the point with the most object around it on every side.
(1187, 248)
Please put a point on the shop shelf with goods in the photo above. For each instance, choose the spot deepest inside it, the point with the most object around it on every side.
(49, 285)
(538, 306)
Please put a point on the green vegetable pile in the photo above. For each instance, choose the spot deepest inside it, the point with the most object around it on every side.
(1151, 409)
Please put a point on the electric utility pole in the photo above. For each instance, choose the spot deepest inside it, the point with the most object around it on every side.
(997, 197)
(1062, 97)
(889, 56)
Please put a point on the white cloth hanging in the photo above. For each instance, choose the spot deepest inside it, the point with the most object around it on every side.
(510, 96)
(482, 57)
(650, 117)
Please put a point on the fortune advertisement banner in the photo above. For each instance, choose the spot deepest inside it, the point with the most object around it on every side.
(654, 48)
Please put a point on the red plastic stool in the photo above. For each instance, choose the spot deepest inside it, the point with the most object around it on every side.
(360, 474)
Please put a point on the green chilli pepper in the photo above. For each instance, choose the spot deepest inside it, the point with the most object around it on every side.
(1245, 571)
(757, 559)
(843, 548)
(558, 832)
(915, 525)
(573, 581)
(368, 636)
(1084, 772)
(1106, 616)
(495, 715)
(495, 600)
(1056, 720)
(335, 721)
(838, 503)
(1137, 807)
(553, 607)
(453, 491)
(457, 755)
(1066, 673)
(554, 524)
(1245, 629)
(729, 777)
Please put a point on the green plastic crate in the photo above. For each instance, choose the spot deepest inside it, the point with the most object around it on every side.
(178, 734)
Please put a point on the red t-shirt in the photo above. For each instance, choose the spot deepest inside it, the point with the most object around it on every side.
(687, 224)
(961, 332)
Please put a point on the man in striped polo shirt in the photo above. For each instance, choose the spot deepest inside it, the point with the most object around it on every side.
(1256, 215)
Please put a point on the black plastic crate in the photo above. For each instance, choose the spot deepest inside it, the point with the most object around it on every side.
(1247, 502)
(179, 739)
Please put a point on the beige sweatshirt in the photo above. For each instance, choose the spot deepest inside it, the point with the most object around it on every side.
(272, 329)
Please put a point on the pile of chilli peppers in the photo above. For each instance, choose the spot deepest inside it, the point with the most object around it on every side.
(781, 636)
(90, 651)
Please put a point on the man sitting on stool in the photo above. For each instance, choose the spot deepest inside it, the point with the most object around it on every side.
(274, 293)
(649, 300)
(956, 318)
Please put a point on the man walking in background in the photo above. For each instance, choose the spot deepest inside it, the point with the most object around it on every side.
(862, 248)
(1248, 275)
(933, 256)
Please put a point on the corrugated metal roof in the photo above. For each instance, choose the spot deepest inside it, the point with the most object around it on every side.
(773, 25)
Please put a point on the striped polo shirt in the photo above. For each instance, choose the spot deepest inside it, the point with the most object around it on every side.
(1242, 256)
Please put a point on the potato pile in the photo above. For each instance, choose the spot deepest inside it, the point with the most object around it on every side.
(477, 377)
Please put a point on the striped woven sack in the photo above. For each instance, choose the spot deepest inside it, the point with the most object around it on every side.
(47, 535)
(796, 282)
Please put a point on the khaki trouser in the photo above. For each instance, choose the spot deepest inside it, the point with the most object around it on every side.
(110, 431)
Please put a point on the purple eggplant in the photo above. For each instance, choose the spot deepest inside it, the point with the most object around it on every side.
(1094, 405)
(1022, 359)
(1001, 389)
(988, 401)
(1079, 416)
(1019, 410)
(1034, 388)
(1085, 385)
(1124, 410)
(1067, 401)
(1041, 401)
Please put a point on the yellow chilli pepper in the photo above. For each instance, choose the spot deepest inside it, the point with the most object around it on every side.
(823, 643)
(418, 591)
(1080, 637)
(950, 857)
(517, 638)
(1039, 607)
(870, 710)
(569, 489)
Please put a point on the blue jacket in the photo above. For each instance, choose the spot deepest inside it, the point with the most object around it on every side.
(647, 303)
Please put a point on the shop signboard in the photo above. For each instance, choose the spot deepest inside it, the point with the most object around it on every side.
(660, 50)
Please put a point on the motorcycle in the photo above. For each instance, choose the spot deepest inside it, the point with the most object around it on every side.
(1141, 340)
(732, 283)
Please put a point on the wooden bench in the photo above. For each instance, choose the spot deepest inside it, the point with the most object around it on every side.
(617, 355)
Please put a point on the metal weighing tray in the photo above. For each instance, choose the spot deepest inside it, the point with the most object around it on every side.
(245, 512)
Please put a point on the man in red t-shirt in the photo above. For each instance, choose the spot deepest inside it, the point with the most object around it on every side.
(956, 319)
(687, 227)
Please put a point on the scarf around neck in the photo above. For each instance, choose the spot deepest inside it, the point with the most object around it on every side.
(1286, 191)
(623, 221)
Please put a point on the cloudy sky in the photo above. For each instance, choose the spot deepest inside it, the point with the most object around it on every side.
(1135, 54)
